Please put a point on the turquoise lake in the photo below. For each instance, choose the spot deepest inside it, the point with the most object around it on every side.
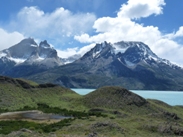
(169, 97)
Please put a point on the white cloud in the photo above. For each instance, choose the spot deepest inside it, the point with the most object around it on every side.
(179, 33)
(57, 25)
(85, 49)
(9, 38)
(135, 9)
(84, 38)
(62, 24)
(74, 51)
(124, 28)
(174, 35)
(67, 53)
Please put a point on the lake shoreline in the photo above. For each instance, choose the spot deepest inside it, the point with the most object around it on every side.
(173, 98)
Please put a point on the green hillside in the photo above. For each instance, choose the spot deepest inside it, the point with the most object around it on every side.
(107, 111)
(17, 93)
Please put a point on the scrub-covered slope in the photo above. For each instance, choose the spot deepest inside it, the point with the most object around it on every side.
(107, 111)
(17, 93)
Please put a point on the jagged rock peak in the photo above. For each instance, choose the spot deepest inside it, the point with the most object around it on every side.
(130, 53)
(44, 44)
(133, 44)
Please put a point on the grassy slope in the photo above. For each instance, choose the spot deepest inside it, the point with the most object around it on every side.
(127, 114)
(14, 96)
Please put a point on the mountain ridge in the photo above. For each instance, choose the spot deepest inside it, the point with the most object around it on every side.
(27, 57)
(129, 64)
(28, 49)
(135, 66)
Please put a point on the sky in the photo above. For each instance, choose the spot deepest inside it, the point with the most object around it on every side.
(74, 26)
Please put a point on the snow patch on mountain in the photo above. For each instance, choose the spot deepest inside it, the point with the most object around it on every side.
(43, 46)
(129, 64)
(97, 53)
(119, 49)
(29, 52)
(132, 52)
(2, 55)
(32, 45)
(17, 60)
(39, 59)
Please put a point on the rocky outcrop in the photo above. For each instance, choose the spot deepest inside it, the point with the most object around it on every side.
(167, 128)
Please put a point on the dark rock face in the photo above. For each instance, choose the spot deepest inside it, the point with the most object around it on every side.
(47, 85)
(44, 44)
(45, 50)
(167, 129)
(171, 115)
(93, 134)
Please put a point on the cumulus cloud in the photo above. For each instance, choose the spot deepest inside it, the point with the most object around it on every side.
(74, 51)
(179, 33)
(60, 24)
(135, 9)
(9, 38)
(84, 38)
(123, 27)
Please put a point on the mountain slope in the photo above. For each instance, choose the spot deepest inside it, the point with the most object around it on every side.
(27, 58)
(129, 64)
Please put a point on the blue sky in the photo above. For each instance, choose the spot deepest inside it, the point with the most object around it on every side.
(73, 26)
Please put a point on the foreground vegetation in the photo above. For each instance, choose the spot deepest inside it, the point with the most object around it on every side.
(108, 111)
(7, 127)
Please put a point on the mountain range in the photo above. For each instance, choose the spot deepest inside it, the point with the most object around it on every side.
(129, 64)
(27, 58)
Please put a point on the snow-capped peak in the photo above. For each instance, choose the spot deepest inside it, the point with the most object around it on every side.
(129, 53)
(142, 48)
(134, 52)
(28, 51)
(119, 49)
